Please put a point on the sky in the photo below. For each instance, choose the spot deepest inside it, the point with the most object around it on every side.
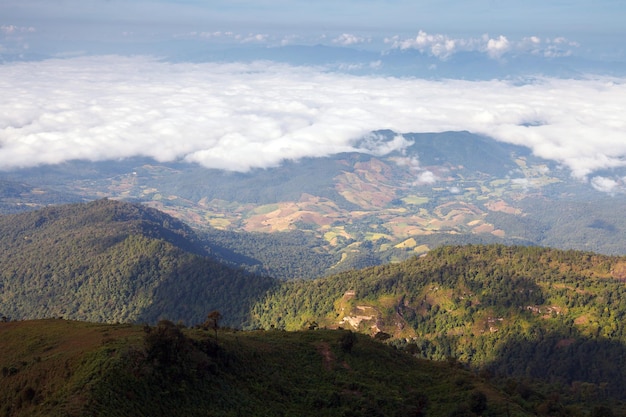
(587, 28)
(247, 84)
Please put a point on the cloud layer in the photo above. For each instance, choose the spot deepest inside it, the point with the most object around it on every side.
(241, 116)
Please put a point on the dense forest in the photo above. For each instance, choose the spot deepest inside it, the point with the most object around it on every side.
(285, 255)
(108, 261)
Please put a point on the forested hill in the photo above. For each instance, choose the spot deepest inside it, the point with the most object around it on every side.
(556, 316)
(112, 261)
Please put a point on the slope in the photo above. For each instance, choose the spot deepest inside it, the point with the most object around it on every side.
(544, 314)
(63, 368)
(366, 207)
(113, 261)
(16, 196)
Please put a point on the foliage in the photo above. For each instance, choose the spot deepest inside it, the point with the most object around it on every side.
(546, 324)
(514, 312)
(284, 255)
(112, 261)
(170, 370)
(347, 341)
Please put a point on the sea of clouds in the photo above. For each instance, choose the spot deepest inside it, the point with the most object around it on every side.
(242, 116)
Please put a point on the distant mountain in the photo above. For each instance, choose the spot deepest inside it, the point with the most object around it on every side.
(113, 261)
(16, 196)
(358, 209)
(510, 312)
(410, 62)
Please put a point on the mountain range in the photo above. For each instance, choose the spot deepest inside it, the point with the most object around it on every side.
(110, 261)
(354, 209)
(537, 322)
(456, 249)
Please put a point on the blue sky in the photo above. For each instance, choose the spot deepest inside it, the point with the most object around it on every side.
(594, 28)
(389, 15)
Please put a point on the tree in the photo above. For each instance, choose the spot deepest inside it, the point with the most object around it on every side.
(166, 346)
(213, 321)
(312, 325)
(347, 341)
(602, 410)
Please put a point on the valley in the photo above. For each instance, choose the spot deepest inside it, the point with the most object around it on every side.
(361, 208)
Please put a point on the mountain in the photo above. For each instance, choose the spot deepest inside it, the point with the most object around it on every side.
(17, 197)
(63, 368)
(530, 319)
(543, 314)
(360, 208)
(113, 261)
(398, 62)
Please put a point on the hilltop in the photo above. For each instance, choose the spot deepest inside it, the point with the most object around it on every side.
(110, 261)
(543, 314)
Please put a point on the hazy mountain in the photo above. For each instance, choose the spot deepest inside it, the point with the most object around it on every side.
(17, 196)
(469, 65)
(358, 209)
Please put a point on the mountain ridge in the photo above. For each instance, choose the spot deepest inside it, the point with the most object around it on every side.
(77, 368)
(113, 261)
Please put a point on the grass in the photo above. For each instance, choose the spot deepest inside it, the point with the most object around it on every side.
(65, 368)
(415, 200)
(47, 364)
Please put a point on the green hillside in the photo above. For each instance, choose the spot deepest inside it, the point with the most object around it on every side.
(543, 314)
(64, 368)
(109, 261)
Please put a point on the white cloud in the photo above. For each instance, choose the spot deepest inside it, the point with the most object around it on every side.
(443, 46)
(347, 39)
(377, 144)
(15, 39)
(239, 116)
(15, 30)
(220, 36)
(426, 177)
(604, 184)
(254, 38)
(497, 47)
(438, 45)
